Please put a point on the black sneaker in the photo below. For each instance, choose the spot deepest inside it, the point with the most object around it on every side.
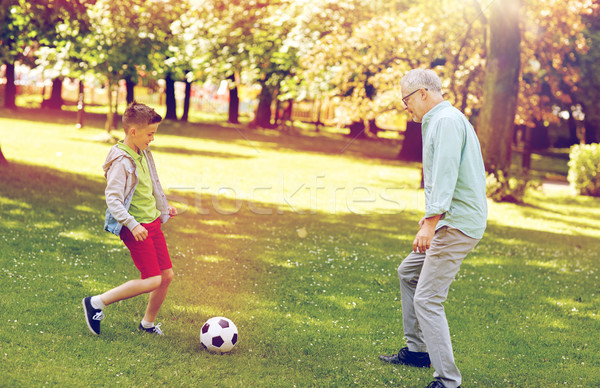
(92, 316)
(153, 330)
(406, 357)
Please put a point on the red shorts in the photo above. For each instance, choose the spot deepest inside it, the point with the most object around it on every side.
(150, 256)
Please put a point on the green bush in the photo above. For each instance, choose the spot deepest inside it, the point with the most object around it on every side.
(501, 188)
(584, 169)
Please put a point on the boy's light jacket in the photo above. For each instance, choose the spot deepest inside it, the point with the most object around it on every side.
(121, 180)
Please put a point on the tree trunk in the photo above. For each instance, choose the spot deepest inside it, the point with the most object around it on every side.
(318, 122)
(573, 139)
(130, 87)
(170, 98)
(263, 111)
(373, 128)
(501, 86)
(186, 100)
(539, 139)
(527, 142)
(115, 124)
(10, 91)
(591, 130)
(278, 113)
(108, 125)
(56, 101)
(357, 130)
(234, 102)
(3, 161)
(80, 105)
(412, 145)
(289, 108)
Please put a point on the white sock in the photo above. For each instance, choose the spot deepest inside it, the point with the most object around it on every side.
(96, 302)
(147, 325)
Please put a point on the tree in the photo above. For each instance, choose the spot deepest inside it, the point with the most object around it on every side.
(344, 63)
(125, 37)
(554, 48)
(28, 25)
(589, 88)
(412, 144)
(14, 20)
(253, 42)
(173, 56)
(221, 32)
(3, 160)
(501, 86)
(274, 56)
(366, 47)
(12, 25)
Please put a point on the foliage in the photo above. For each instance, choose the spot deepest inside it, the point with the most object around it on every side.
(362, 58)
(350, 50)
(588, 93)
(502, 187)
(13, 24)
(25, 25)
(584, 169)
(553, 34)
(257, 40)
(126, 35)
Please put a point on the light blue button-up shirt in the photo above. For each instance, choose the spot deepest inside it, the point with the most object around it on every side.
(453, 171)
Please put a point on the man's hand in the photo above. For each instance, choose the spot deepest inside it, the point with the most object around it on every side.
(172, 211)
(422, 241)
(139, 233)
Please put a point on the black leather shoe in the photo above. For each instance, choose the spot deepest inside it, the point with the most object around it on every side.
(406, 357)
(436, 384)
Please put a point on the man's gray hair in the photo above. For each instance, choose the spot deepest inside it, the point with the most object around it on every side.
(421, 78)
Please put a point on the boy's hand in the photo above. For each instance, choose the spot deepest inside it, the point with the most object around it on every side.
(172, 211)
(139, 233)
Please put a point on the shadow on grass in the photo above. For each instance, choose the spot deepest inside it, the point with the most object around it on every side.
(192, 152)
(538, 239)
(66, 117)
(380, 151)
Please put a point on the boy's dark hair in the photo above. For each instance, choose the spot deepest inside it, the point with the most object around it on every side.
(139, 114)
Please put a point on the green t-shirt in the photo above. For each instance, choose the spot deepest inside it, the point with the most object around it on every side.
(143, 204)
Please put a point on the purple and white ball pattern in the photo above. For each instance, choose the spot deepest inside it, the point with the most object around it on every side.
(219, 334)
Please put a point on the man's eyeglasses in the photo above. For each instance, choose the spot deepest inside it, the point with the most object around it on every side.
(405, 99)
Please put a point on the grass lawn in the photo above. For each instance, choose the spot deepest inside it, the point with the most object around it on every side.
(297, 239)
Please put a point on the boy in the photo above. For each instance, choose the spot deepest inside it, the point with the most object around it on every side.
(137, 206)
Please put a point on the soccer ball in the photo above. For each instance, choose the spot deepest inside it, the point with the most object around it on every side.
(219, 334)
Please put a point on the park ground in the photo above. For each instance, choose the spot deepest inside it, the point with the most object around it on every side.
(297, 239)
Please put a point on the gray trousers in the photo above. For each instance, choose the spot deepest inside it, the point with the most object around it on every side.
(425, 279)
